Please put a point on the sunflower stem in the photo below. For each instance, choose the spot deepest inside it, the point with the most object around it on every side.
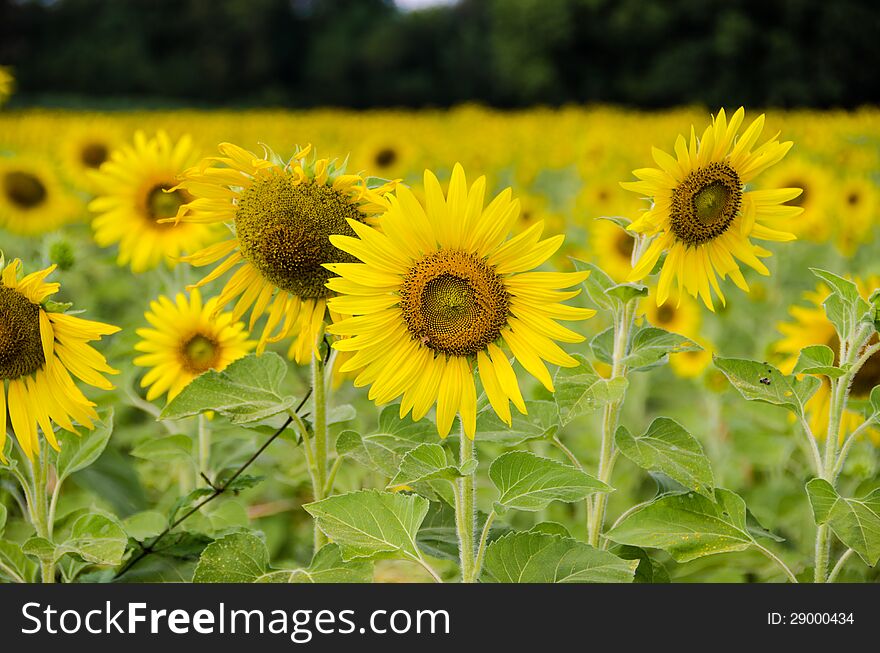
(319, 395)
(204, 448)
(465, 512)
(40, 510)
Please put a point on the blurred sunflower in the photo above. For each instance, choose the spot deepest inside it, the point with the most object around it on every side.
(84, 148)
(138, 189)
(283, 214)
(33, 200)
(389, 156)
(810, 326)
(612, 248)
(691, 364)
(815, 183)
(188, 338)
(855, 206)
(7, 84)
(39, 350)
(438, 290)
(701, 214)
(682, 316)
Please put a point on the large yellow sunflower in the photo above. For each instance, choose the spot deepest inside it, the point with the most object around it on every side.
(810, 326)
(188, 338)
(39, 350)
(283, 214)
(437, 292)
(32, 199)
(137, 190)
(702, 216)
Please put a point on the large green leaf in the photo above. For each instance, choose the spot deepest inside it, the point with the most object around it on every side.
(817, 359)
(15, 566)
(855, 521)
(529, 482)
(534, 557)
(97, 538)
(541, 421)
(667, 447)
(844, 307)
(651, 346)
(235, 558)
(763, 382)
(687, 526)
(171, 447)
(371, 524)
(384, 449)
(426, 462)
(580, 390)
(248, 391)
(79, 450)
(597, 285)
(326, 567)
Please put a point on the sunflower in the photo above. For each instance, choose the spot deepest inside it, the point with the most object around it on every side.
(389, 156)
(137, 189)
(84, 148)
(682, 316)
(188, 338)
(32, 199)
(612, 247)
(437, 292)
(7, 84)
(815, 183)
(691, 364)
(702, 216)
(855, 205)
(810, 326)
(283, 214)
(39, 350)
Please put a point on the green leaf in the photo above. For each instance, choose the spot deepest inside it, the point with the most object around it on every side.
(762, 382)
(602, 346)
(383, 450)
(529, 482)
(626, 292)
(620, 221)
(248, 391)
(164, 449)
(143, 525)
(667, 447)
(817, 359)
(541, 421)
(2, 519)
(687, 526)
(96, 538)
(339, 414)
(648, 570)
(39, 547)
(424, 463)
(79, 450)
(845, 307)
(542, 558)
(371, 524)
(856, 522)
(15, 566)
(326, 567)
(235, 558)
(651, 346)
(244, 482)
(580, 390)
(597, 284)
(438, 536)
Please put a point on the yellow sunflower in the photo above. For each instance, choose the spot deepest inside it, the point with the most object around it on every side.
(682, 316)
(612, 248)
(283, 214)
(702, 216)
(188, 338)
(438, 291)
(855, 207)
(7, 84)
(33, 200)
(39, 350)
(84, 148)
(810, 326)
(815, 183)
(136, 189)
(691, 364)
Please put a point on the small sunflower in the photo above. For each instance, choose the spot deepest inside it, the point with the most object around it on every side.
(612, 248)
(702, 216)
(7, 84)
(682, 316)
(137, 190)
(33, 200)
(85, 148)
(856, 206)
(815, 183)
(39, 350)
(691, 364)
(188, 338)
(810, 326)
(437, 292)
(283, 214)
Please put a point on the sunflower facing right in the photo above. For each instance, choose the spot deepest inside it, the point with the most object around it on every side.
(439, 291)
(702, 215)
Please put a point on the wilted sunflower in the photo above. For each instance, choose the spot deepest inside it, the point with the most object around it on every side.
(810, 326)
(439, 289)
(283, 214)
(188, 338)
(39, 350)
(137, 191)
(7, 84)
(702, 216)
(32, 199)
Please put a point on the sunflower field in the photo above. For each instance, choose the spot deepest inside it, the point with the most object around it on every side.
(464, 345)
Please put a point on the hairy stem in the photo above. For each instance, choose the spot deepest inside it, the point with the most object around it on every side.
(319, 393)
(465, 512)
